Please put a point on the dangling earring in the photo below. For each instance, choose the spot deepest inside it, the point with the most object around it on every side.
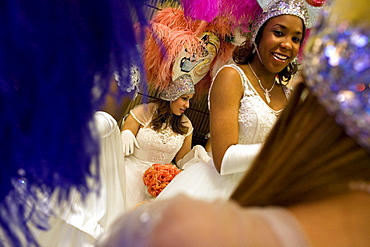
(254, 47)
(292, 64)
(295, 61)
(255, 50)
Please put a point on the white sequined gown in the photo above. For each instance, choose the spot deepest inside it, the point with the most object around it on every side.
(200, 179)
(156, 147)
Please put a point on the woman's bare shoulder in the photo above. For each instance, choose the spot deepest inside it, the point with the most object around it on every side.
(228, 70)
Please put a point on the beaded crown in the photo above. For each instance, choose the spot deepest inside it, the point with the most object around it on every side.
(337, 71)
(274, 8)
(182, 85)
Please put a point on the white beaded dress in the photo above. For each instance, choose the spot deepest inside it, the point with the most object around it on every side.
(156, 147)
(200, 179)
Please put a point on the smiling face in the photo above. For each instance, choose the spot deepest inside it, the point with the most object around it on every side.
(280, 42)
(179, 106)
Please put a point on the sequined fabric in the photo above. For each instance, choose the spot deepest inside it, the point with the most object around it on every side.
(181, 85)
(337, 69)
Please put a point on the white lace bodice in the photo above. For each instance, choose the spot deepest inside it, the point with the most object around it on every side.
(256, 118)
(156, 146)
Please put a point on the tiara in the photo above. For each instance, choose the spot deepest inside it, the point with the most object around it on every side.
(182, 85)
(337, 71)
(273, 8)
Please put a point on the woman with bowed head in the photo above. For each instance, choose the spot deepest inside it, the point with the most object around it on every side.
(159, 132)
(156, 133)
(309, 186)
(246, 98)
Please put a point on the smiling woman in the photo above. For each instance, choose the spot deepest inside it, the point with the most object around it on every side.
(246, 99)
(279, 42)
(291, 197)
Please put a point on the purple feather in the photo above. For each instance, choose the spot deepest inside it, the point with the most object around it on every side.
(52, 55)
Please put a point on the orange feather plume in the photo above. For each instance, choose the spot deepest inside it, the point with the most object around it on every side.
(169, 32)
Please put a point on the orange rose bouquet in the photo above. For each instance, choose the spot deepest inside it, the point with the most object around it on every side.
(158, 176)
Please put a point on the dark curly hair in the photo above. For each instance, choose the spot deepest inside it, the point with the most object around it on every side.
(163, 116)
(244, 54)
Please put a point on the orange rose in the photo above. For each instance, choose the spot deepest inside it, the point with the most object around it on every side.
(158, 176)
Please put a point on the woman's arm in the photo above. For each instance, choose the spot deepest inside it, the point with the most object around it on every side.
(186, 147)
(128, 135)
(131, 124)
(226, 93)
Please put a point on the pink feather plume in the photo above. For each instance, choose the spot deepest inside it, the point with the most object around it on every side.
(170, 31)
(205, 10)
(239, 12)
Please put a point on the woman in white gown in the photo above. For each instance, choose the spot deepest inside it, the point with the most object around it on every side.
(156, 133)
(245, 101)
(309, 186)
(201, 179)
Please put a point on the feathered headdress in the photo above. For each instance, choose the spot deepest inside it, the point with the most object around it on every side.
(249, 15)
(244, 12)
(172, 37)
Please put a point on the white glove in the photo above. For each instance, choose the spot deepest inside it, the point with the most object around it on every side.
(197, 152)
(239, 158)
(129, 142)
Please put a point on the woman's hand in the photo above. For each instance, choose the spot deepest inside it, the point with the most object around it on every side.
(128, 135)
(129, 142)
